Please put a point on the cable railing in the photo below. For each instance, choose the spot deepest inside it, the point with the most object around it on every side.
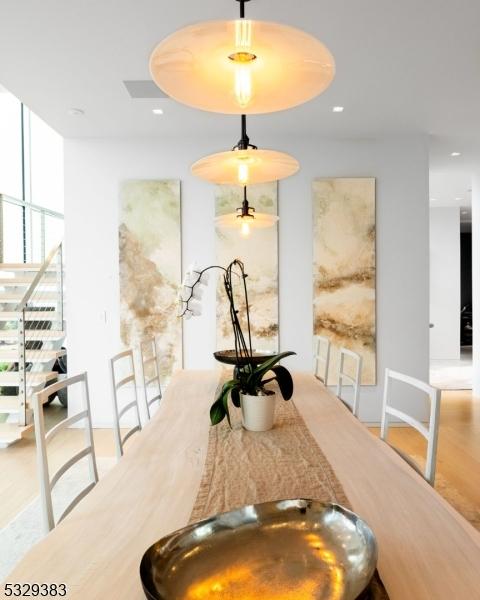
(27, 231)
(40, 329)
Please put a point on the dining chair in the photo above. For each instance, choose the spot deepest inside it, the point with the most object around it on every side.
(42, 438)
(149, 356)
(354, 381)
(123, 364)
(322, 357)
(430, 433)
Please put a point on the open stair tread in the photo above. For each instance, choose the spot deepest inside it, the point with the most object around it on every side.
(25, 281)
(16, 297)
(12, 378)
(25, 267)
(33, 315)
(40, 355)
(33, 334)
(11, 432)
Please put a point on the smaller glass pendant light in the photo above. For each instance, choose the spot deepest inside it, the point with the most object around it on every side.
(246, 218)
(245, 164)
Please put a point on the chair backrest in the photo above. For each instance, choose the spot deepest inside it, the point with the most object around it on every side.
(430, 433)
(321, 357)
(127, 382)
(42, 439)
(354, 380)
(149, 356)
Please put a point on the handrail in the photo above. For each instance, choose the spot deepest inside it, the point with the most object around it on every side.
(23, 203)
(38, 277)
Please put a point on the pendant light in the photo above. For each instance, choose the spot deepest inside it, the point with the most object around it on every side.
(245, 164)
(242, 66)
(246, 218)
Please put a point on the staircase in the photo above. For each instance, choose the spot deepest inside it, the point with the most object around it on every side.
(31, 338)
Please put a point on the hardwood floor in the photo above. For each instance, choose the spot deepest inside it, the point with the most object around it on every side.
(458, 453)
(18, 468)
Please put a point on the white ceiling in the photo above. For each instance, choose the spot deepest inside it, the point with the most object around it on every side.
(402, 67)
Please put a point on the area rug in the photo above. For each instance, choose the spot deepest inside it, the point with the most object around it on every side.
(25, 530)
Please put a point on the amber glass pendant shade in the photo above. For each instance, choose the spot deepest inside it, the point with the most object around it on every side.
(245, 167)
(242, 66)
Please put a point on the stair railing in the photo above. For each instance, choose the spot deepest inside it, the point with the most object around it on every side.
(40, 328)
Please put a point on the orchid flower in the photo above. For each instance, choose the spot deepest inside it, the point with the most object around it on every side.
(191, 292)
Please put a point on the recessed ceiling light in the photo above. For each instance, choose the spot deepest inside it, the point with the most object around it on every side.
(458, 199)
(76, 112)
(338, 109)
(157, 111)
(464, 212)
(433, 200)
(455, 154)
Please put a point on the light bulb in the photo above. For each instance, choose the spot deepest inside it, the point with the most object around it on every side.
(243, 34)
(243, 173)
(243, 84)
(242, 60)
(245, 229)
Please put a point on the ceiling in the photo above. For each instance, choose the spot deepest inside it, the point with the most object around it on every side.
(402, 67)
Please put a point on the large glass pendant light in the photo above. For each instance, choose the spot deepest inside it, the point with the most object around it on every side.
(245, 164)
(242, 66)
(246, 218)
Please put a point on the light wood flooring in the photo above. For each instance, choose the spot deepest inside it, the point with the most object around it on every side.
(458, 453)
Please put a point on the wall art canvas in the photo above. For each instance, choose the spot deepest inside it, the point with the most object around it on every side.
(344, 269)
(259, 253)
(150, 267)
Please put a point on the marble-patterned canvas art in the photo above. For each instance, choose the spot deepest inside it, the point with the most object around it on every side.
(259, 253)
(150, 267)
(344, 269)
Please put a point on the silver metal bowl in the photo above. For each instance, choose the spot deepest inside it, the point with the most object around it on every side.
(290, 549)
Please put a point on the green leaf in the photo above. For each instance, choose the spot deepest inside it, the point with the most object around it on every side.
(219, 409)
(235, 394)
(268, 364)
(217, 412)
(284, 380)
(225, 408)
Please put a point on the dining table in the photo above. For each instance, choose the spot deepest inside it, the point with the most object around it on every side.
(427, 551)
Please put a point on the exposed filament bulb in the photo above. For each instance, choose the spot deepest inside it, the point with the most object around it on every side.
(245, 228)
(243, 59)
(243, 173)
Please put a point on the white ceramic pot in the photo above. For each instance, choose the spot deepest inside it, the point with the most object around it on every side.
(258, 412)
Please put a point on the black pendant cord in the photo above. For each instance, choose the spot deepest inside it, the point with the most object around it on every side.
(244, 142)
(242, 8)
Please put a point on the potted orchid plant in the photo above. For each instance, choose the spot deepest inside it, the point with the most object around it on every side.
(248, 388)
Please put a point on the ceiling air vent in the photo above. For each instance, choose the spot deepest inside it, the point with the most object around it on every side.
(144, 89)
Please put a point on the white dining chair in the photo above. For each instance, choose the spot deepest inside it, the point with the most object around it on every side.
(149, 356)
(322, 357)
(42, 438)
(430, 433)
(122, 364)
(354, 381)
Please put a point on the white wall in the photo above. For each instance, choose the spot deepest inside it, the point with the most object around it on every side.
(93, 170)
(476, 283)
(445, 283)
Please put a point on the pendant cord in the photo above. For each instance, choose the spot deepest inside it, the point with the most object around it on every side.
(242, 8)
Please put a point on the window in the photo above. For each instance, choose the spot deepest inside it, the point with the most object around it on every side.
(31, 182)
(11, 181)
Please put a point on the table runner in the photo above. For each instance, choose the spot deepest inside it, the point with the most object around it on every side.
(244, 467)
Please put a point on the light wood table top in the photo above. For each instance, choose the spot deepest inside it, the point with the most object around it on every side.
(427, 550)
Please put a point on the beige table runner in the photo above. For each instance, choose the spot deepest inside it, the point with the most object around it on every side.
(243, 468)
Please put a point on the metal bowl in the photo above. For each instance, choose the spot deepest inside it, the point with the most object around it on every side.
(290, 549)
(229, 357)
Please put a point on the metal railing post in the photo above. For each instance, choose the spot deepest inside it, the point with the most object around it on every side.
(22, 375)
(60, 284)
(42, 235)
